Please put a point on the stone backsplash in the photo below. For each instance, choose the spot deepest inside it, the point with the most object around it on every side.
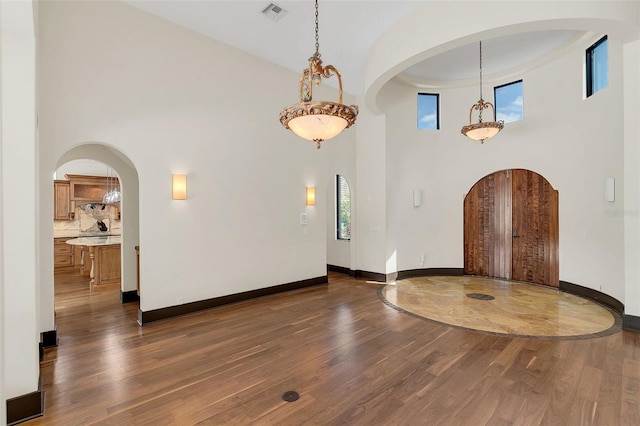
(88, 218)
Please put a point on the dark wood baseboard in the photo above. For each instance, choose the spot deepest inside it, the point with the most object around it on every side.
(631, 323)
(188, 308)
(26, 407)
(129, 296)
(341, 270)
(49, 338)
(430, 272)
(400, 275)
(596, 295)
(373, 276)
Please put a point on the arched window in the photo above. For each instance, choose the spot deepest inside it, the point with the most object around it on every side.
(343, 209)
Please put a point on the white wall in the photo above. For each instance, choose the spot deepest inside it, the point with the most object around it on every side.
(173, 101)
(370, 199)
(84, 167)
(18, 226)
(631, 188)
(573, 142)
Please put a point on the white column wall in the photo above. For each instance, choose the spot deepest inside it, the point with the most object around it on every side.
(631, 79)
(370, 200)
(3, 405)
(19, 206)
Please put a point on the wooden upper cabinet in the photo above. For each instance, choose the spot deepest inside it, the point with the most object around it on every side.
(62, 200)
(90, 188)
(81, 189)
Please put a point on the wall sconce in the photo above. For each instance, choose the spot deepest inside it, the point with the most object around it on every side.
(417, 198)
(179, 187)
(610, 189)
(311, 195)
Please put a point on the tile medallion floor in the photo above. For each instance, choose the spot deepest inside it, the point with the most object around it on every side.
(501, 307)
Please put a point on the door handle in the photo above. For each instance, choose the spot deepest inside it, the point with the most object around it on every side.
(514, 233)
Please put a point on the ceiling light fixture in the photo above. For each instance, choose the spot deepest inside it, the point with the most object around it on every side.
(482, 129)
(317, 121)
(113, 194)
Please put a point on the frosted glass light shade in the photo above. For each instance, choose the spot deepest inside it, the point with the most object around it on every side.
(311, 195)
(318, 121)
(482, 131)
(610, 189)
(318, 127)
(417, 198)
(179, 187)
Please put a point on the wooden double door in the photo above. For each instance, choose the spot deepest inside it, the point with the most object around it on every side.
(511, 228)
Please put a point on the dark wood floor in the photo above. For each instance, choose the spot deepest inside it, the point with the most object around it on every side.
(352, 359)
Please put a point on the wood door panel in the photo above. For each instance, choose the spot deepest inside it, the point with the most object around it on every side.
(535, 207)
(487, 227)
(511, 228)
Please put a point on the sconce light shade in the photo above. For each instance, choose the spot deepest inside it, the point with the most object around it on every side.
(311, 195)
(417, 198)
(610, 189)
(179, 187)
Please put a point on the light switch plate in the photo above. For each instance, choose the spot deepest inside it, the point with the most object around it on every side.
(303, 218)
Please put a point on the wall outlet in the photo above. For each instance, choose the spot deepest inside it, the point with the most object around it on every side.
(422, 258)
(180, 300)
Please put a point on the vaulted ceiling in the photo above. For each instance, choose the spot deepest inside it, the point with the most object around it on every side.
(347, 30)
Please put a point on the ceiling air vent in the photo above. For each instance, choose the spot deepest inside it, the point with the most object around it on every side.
(273, 11)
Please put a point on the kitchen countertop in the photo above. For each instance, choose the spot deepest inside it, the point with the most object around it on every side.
(77, 234)
(95, 241)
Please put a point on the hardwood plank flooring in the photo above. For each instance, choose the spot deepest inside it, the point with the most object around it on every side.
(352, 359)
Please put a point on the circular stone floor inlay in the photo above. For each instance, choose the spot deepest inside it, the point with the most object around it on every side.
(515, 308)
(480, 296)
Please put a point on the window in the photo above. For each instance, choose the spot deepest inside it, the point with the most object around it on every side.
(509, 102)
(428, 111)
(597, 66)
(343, 210)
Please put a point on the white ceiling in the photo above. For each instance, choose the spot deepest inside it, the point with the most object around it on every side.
(498, 55)
(347, 29)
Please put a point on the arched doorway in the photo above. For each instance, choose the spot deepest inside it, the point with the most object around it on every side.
(129, 206)
(511, 228)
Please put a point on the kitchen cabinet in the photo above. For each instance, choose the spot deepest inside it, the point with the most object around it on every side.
(77, 256)
(89, 189)
(101, 259)
(63, 254)
(62, 200)
(106, 264)
(79, 190)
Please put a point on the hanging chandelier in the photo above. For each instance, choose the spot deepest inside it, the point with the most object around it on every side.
(482, 129)
(318, 121)
(113, 194)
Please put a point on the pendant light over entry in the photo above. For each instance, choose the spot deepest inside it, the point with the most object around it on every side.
(482, 129)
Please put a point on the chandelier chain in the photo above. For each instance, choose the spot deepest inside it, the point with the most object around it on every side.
(481, 70)
(317, 37)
